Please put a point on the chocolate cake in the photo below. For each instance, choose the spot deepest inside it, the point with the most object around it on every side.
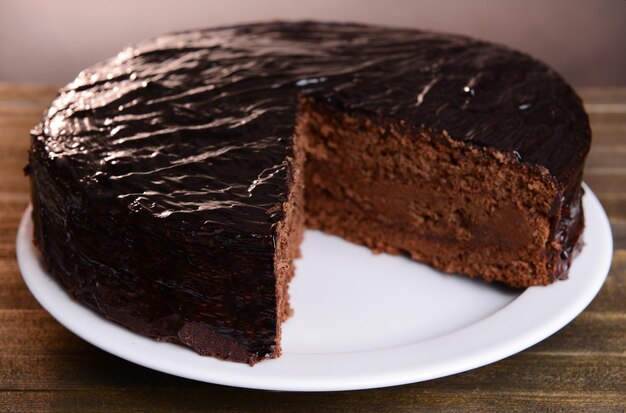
(170, 185)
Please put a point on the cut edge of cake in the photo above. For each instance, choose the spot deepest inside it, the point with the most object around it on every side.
(287, 239)
(459, 207)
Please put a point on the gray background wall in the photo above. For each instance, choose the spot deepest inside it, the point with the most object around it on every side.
(51, 41)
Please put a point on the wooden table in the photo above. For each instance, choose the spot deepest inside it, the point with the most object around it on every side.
(44, 367)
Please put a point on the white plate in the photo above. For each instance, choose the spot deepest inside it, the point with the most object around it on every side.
(362, 320)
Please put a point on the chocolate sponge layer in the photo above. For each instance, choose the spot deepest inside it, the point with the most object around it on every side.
(458, 207)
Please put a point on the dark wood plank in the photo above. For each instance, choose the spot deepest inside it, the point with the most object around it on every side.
(614, 204)
(602, 95)
(198, 401)
(582, 382)
(618, 226)
(32, 93)
(438, 396)
(608, 134)
(605, 181)
(607, 157)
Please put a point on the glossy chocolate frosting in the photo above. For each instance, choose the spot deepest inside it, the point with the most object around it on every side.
(158, 175)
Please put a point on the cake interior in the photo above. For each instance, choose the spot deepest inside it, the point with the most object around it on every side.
(458, 207)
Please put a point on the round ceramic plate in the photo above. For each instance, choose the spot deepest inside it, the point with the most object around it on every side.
(362, 320)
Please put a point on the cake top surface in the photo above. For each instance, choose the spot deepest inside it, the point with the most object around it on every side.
(198, 125)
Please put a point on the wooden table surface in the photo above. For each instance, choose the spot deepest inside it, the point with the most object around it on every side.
(44, 367)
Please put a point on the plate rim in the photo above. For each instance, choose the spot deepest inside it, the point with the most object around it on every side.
(384, 367)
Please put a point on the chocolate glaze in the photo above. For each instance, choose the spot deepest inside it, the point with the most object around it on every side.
(157, 174)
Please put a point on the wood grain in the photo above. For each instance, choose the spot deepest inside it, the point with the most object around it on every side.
(45, 368)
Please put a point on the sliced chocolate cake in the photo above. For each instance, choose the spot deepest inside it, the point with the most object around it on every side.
(170, 185)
